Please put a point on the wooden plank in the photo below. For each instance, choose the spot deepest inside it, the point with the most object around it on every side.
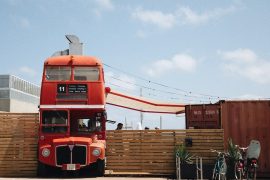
(134, 150)
(128, 150)
(18, 144)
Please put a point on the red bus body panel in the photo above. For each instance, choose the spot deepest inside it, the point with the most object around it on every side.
(76, 106)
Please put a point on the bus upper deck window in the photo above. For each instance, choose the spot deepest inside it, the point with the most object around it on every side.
(54, 73)
(86, 73)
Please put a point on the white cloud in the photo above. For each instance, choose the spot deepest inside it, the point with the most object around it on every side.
(183, 15)
(239, 55)
(27, 70)
(184, 62)
(179, 62)
(188, 16)
(157, 18)
(246, 63)
(105, 4)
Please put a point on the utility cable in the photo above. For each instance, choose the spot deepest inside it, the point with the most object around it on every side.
(163, 85)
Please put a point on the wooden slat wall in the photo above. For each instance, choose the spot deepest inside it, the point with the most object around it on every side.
(18, 144)
(153, 151)
(127, 151)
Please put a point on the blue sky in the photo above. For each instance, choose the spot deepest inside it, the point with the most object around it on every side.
(200, 50)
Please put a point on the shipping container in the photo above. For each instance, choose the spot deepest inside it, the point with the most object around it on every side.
(205, 116)
(244, 121)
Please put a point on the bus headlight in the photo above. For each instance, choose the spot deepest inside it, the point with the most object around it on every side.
(96, 152)
(45, 152)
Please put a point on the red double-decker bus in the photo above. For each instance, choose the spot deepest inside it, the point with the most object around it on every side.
(72, 111)
(72, 115)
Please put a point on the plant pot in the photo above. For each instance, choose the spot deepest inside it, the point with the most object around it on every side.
(188, 171)
(230, 170)
(208, 171)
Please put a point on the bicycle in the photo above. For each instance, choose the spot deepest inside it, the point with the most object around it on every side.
(240, 165)
(252, 168)
(220, 168)
(247, 164)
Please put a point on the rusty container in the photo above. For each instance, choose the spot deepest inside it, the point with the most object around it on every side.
(246, 120)
(203, 116)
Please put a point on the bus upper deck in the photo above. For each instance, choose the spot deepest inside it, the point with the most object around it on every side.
(73, 80)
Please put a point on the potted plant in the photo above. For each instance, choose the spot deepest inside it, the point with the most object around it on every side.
(233, 157)
(188, 168)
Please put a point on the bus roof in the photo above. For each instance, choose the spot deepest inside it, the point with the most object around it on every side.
(73, 60)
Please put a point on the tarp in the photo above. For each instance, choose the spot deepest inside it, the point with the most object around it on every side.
(143, 104)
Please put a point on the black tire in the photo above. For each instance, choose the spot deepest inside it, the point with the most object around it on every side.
(251, 174)
(42, 170)
(100, 168)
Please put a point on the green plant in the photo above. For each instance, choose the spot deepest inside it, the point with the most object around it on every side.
(182, 153)
(233, 157)
(233, 151)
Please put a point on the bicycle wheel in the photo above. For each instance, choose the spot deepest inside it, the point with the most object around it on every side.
(222, 170)
(215, 172)
(238, 171)
(252, 173)
(214, 175)
(222, 176)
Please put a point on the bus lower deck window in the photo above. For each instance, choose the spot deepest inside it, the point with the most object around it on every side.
(54, 121)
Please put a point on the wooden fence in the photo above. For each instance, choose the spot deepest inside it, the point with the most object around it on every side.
(127, 151)
(18, 144)
(154, 151)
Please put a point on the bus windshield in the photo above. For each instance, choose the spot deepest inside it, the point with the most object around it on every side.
(54, 121)
(54, 73)
(86, 73)
(88, 125)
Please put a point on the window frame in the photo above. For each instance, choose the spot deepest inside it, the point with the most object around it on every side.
(69, 68)
(85, 67)
(72, 73)
(57, 128)
(89, 130)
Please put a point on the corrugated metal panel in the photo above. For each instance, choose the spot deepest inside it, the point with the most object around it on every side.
(246, 120)
(4, 81)
(4, 93)
(204, 116)
(18, 95)
(24, 97)
(24, 86)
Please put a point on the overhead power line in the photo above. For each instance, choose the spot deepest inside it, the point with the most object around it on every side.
(157, 90)
(155, 95)
(187, 93)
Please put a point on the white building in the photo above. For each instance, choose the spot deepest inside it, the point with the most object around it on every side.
(18, 95)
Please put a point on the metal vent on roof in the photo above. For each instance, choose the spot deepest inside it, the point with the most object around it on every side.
(75, 47)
